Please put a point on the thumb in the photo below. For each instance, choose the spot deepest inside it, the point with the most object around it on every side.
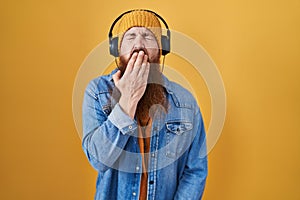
(116, 77)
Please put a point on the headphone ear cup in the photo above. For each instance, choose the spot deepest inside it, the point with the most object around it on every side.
(165, 44)
(113, 47)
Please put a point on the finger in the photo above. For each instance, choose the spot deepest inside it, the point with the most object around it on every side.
(138, 62)
(144, 73)
(144, 65)
(130, 63)
(146, 70)
(145, 59)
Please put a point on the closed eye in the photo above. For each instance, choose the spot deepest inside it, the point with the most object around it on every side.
(130, 36)
(148, 36)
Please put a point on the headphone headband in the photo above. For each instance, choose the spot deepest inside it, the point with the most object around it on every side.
(113, 42)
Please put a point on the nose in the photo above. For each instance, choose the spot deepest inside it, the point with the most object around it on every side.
(139, 43)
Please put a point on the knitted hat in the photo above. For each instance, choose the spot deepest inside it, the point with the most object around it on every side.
(138, 18)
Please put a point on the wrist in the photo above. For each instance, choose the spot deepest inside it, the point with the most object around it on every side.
(128, 106)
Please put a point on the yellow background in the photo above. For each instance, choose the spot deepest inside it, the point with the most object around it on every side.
(255, 44)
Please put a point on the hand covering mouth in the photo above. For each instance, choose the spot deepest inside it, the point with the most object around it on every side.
(138, 50)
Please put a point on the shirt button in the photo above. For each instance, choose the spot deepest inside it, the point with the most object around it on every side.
(153, 154)
(137, 168)
(134, 194)
(130, 127)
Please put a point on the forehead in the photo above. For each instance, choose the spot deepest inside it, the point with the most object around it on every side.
(138, 30)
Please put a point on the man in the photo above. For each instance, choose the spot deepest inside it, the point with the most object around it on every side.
(143, 133)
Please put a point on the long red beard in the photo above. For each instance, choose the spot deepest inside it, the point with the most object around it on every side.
(154, 94)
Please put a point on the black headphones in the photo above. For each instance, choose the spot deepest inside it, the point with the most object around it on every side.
(113, 42)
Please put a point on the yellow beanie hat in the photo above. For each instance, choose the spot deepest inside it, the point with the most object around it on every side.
(138, 18)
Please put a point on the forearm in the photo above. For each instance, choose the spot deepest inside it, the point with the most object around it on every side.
(104, 145)
(128, 105)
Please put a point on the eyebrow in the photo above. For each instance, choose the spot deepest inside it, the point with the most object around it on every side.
(146, 34)
(130, 34)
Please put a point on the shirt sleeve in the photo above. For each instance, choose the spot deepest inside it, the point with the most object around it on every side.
(104, 137)
(192, 183)
(122, 121)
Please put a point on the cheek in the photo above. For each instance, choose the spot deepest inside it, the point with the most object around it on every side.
(153, 53)
(125, 49)
(152, 49)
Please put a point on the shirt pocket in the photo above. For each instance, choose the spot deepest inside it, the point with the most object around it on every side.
(178, 138)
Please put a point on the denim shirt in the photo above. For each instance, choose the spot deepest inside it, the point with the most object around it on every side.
(177, 165)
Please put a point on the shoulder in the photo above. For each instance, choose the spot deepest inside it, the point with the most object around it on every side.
(181, 96)
(101, 84)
